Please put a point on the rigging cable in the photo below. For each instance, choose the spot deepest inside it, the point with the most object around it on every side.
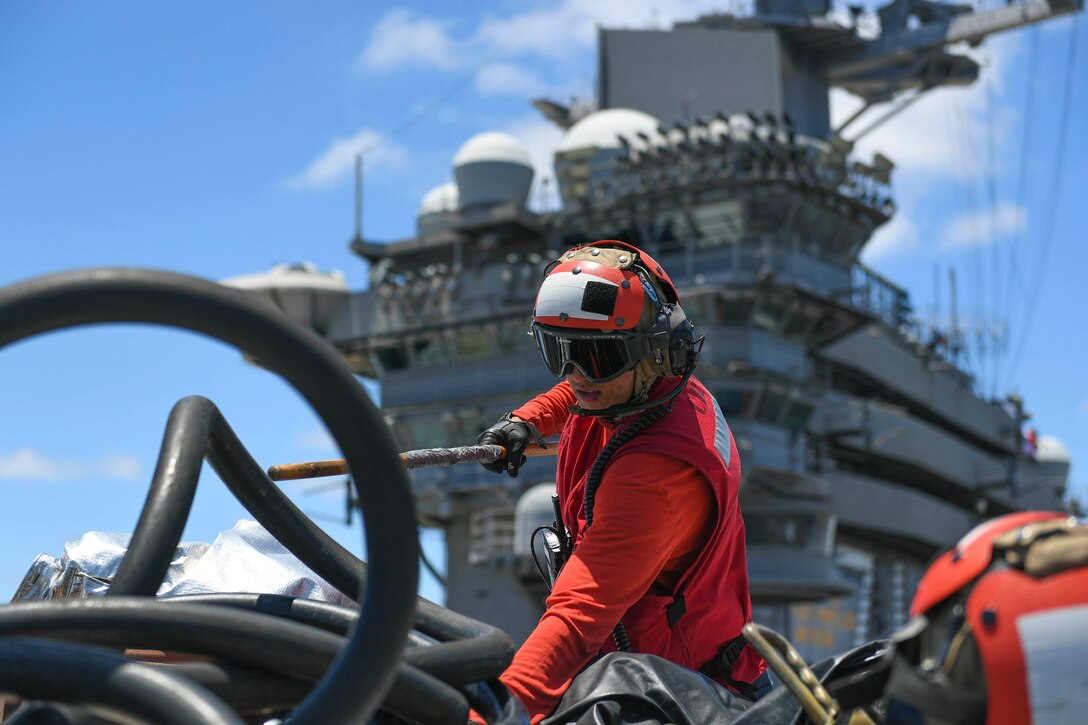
(999, 229)
(1021, 201)
(1052, 211)
(968, 162)
(433, 105)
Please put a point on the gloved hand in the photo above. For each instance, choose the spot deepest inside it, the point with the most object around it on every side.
(514, 436)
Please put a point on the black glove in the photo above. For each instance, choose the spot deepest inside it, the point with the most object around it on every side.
(512, 435)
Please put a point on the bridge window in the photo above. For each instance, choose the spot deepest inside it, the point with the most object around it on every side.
(734, 311)
(428, 433)
(430, 352)
(767, 530)
(473, 344)
(390, 358)
(733, 401)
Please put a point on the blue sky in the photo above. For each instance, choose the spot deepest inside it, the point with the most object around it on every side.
(217, 139)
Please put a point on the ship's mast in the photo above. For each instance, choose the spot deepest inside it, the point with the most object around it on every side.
(789, 54)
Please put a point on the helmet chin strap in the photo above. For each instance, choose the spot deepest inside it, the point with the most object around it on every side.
(625, 409)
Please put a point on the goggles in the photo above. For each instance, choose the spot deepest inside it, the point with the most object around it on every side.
(600, 356)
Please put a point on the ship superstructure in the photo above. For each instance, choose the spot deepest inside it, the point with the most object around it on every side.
(865, 449)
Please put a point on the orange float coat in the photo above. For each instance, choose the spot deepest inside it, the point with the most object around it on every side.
(665, 522)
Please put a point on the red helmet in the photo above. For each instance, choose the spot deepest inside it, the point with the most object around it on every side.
(1000, 628)
(606, 306)
(647, 262)
(585, 294)
(964, 563)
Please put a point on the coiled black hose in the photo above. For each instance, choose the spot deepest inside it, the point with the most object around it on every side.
(466, 650)
(169, 501)
(459, 652)
(90, 675)
(249, 691)
(365, 669)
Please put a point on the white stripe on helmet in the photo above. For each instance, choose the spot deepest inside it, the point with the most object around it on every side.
(563, 291)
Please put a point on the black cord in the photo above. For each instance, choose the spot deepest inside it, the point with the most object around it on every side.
(536, 559)
(593, 481)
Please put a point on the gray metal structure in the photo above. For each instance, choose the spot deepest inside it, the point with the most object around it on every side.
(865, 449)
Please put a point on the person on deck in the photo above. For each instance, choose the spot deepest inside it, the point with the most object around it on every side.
(647, 482)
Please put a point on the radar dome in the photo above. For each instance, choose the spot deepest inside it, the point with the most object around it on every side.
(533, 509)
(602, 130)
(306, 295)
(588, 152)
(1051, 450)
(492, 168)
(437, 208)
(441, 199)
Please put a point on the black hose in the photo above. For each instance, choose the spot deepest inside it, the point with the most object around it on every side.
(329, 617)
(40, 712)
(197, 429)
(88, 675)
(168, 502)
(268, 642)
(471, 650)
(272, 643)
(248, 690)
(366, 667)
(466, 650)
(279, 515)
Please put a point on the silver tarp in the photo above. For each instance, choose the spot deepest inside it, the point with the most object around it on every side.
(246, 558)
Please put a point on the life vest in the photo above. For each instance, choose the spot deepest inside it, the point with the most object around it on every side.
(711, 602)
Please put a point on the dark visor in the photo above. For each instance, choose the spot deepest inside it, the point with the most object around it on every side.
(601, 356)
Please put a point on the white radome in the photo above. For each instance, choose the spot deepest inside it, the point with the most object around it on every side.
(442, 199)
(492, 146)
(602, 130)
(1049, 449)
(533, 509)
(300, 275)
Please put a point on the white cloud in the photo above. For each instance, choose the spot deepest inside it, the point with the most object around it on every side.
(979, 228)
(316, 439)
(552, 29)
(507, 79)
(549, 31)
(27, 464)
(895, 238)
(401, 39)
(338, 161)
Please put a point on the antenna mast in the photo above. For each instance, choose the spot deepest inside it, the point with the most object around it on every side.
(359, 197)
(955, 333)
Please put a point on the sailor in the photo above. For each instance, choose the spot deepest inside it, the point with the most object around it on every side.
(647, 482)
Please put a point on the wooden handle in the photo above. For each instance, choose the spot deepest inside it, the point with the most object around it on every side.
(411, 459)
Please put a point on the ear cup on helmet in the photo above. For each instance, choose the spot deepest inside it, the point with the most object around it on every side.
(683, 347)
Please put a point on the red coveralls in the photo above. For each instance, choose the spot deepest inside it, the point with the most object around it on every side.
(665, 521)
